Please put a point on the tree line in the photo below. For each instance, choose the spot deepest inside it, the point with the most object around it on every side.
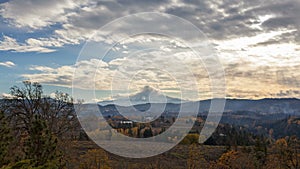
(34, 127)
(37, 132)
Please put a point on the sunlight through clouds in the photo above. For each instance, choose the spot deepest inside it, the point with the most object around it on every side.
(257, 42)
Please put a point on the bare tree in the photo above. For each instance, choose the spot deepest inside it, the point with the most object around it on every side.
(28, 101)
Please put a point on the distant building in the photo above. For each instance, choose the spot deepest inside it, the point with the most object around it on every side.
(125, 124)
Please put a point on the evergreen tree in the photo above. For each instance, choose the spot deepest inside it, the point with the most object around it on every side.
(130, 132)
(260, 151)
(5, 138)
(148, 133)
(41, 145)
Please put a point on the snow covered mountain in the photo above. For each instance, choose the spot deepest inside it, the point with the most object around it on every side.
(146, 95)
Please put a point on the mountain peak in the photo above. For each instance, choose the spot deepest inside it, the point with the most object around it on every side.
(148, 89)
(147, 94)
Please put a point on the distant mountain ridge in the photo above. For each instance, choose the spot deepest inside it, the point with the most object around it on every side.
(149, 95)
(267, 105)
(262, 106)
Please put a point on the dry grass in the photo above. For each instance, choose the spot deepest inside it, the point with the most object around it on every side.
(174, 158)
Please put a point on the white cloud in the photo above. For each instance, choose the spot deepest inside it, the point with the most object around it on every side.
(255, 40)
(46, 42)
(37, 14)
(243, 43)
(11, 44)
(163, 69)
(78, 20)
(63, 76)
(7, 64)
(257, 24)
(7, 95)
(259, 50)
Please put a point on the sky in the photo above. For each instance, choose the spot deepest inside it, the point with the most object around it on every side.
(257, 43)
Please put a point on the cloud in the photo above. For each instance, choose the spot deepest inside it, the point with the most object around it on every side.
(151, 65)
(31, 45)
(78, 20)
(287, 93)
(63, 76)
(247, 81)
(260, 50)
(163, 63)
(7, 96)
(37, 14)
(289, 77)
(7, 64)
(257, 41)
